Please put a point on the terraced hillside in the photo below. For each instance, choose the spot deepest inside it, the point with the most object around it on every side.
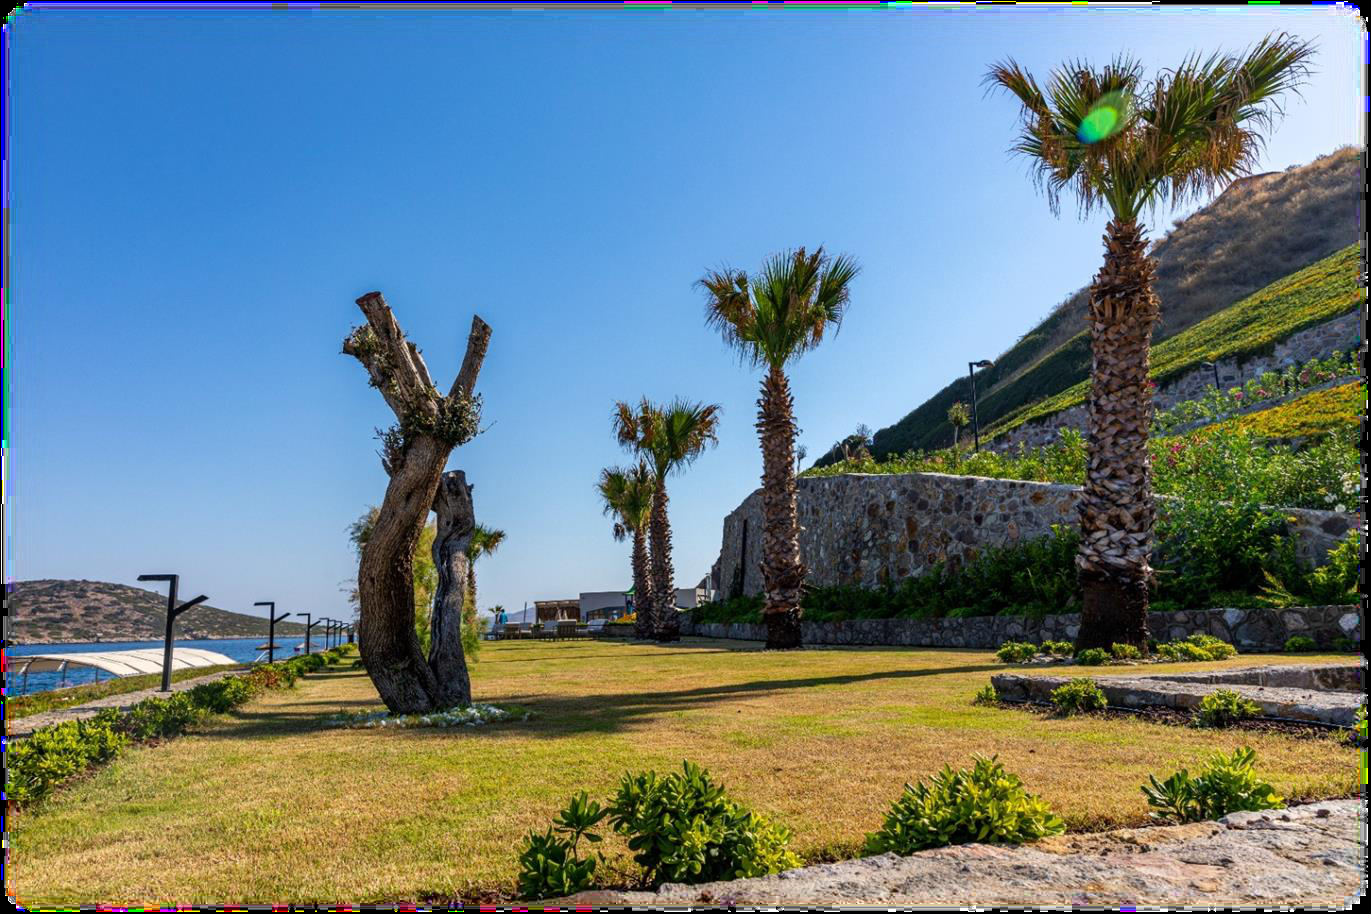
(1261, 229)
(48, 611)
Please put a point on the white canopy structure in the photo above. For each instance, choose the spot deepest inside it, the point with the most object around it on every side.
(120, 663)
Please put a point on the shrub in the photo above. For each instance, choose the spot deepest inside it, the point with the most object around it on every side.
(986, 696)
(1299, 643)
(984, 804)
(683, 828)
(1058, 648)
(1357, 733)
(1197, 647)
(1093, 656)
(220, 695)
(1345, 645)
(1224, 708)
(1124, 651)
(1228, 785)
(154, 718)
(50, 755)
(1333, 583)
(1078, 695)
(1016, 652)
(549, 865)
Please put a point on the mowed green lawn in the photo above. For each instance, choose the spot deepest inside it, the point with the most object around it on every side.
(267, 805)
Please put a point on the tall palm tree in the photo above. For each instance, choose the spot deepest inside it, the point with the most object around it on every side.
(1122, 144)
(669, 437)
(627, 495)
(484, 541)
(771, 319)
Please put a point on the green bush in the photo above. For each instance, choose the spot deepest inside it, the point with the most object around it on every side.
(683, 828)
(549, 865)
(986, 696)
(1296, 644)
(1227, 785)
(1345, 645)
(984, 804)
(1224, 708)
(154, 718)
(50, 755)
(221, 695)
(1198, 647)
(1093, 656)
(1016, 652)
(1124, 651)
(1078, 695)
(1337, 582)
(1058, 648)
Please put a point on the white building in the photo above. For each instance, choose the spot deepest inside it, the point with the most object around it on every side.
(611, 604)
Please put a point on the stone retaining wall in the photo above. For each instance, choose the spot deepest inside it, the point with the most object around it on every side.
(1250, 630)
(1318, 341)
(869, 529)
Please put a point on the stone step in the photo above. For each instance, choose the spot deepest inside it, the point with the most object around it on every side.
(1320, 706)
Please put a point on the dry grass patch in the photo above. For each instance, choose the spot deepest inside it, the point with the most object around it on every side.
(268, 805)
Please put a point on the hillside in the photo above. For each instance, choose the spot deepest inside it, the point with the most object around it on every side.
(1260, 229)
(44, 612)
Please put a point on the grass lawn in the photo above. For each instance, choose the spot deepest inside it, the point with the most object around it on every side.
(267, 805)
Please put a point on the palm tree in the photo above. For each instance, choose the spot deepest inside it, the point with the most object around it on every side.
(771, 319)
(669, 436)
(1122, 144)
(627, 495)
(484, 541)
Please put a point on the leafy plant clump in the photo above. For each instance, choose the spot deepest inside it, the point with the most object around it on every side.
(1227, 785)
(1058, 648)
(1077, 696)
(983, 804)
(550, 865)
(1224, 708)
(1124, 652)
(1198, 647)
(1093, 656)
(1299, 644)
(987, 696)
(683, 828)
(470, 716)
(1016, 652)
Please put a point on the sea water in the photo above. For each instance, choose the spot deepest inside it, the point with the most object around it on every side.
(244, 650)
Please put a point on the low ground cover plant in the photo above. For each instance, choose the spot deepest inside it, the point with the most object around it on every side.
(1058, 648)
(1124, 652)
(1077, 696)
(1093, 656)
(50, 755)
(1228, 784)
(1223, 708)
(470, 716)
(1300, 644)
(681, 827)
(1016, 651)
(987, 696)
(1197, 647)
(982, 804)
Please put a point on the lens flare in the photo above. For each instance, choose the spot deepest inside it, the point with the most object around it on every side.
(1104, 119)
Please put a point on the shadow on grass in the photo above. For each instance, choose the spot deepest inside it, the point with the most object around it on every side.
(557, 716)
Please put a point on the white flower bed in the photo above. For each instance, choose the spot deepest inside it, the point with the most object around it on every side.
(472, 716)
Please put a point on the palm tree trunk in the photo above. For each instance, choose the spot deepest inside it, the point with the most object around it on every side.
(664, 624)
(642, 587)
(1117, 510)
(783, 572)
(469, 607)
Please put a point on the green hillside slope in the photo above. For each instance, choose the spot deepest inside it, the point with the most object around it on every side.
(1259, 230)
(1251, 327)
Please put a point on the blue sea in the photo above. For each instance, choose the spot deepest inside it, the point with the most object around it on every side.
(241, 649)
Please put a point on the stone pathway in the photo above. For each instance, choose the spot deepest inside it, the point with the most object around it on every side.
(23, 726)
(1317, 694)
(1306, 856)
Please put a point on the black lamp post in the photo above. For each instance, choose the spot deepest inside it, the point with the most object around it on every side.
(172, 612)
(271, 628)
(328, 634)
(1215, 367)
(308, 625)
(975, 421)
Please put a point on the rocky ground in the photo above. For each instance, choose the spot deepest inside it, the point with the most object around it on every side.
(1306, 856)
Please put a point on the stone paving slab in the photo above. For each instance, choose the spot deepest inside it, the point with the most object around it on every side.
(23, 726)
(1306, 856)
(1321, 706)
(1339, 677)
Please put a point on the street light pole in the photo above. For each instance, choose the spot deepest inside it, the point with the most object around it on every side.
(271, 628)
(1215, 366)
(975, 420)
(172, 612)
(308, 626)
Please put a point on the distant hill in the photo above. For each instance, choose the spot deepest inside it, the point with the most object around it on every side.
(1260, 229)
(46, 612)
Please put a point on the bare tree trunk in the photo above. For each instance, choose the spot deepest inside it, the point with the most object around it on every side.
(429, 427)
(456, 523)
(642, 587)
(1117, 509)
(665, 625)
(783, 571)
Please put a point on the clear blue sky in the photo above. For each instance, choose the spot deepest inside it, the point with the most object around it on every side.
(198, 198)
